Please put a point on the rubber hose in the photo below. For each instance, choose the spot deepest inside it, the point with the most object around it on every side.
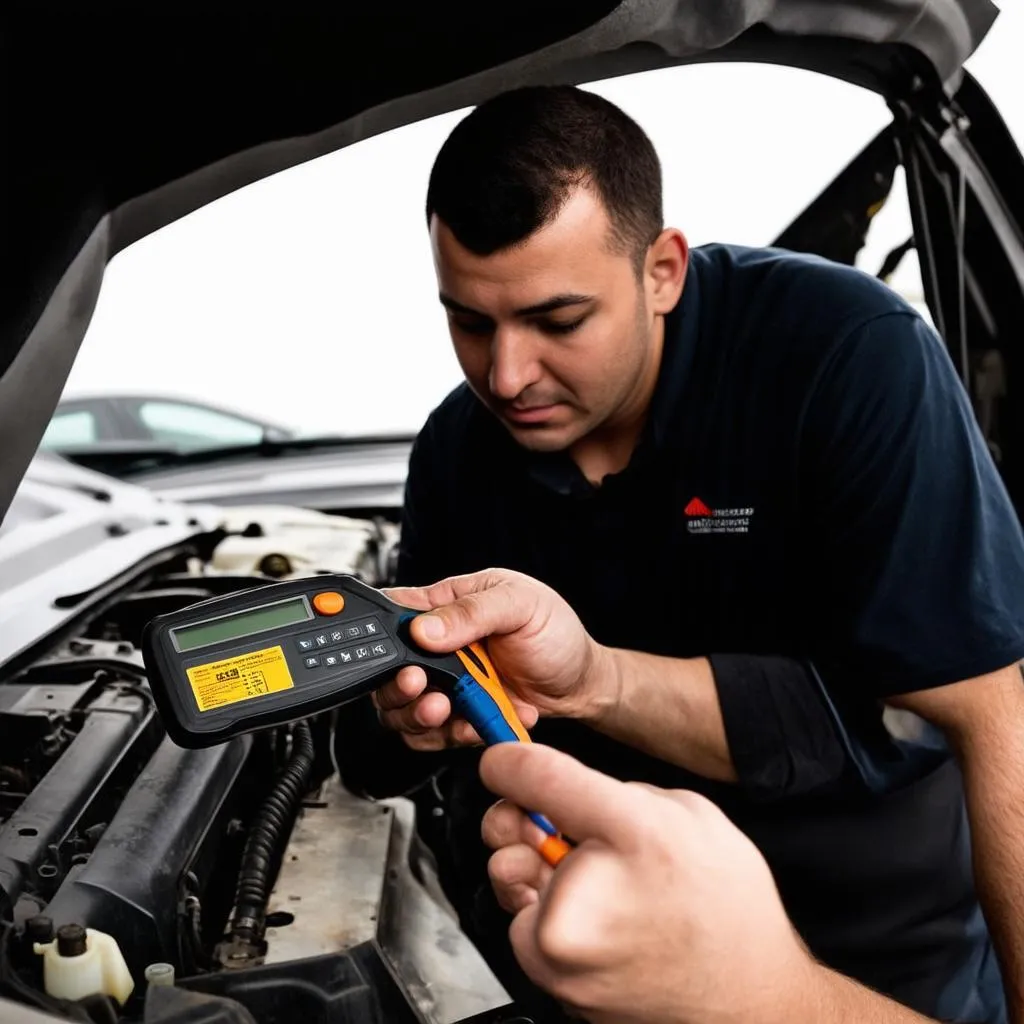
(267, 836)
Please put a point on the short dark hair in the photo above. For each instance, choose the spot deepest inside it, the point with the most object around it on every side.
(509, 166)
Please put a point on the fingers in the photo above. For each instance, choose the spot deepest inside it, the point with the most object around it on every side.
(454, 733)
(471, 607)
(504, 824)
(447, 590)
(518, 876)
(426, 724)
(579, 801)
(430, 711)
(404, 707)
(424, 719)
(517, 871)
(407, 685)
(417, 598)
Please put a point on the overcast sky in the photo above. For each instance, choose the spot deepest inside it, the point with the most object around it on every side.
(309, 298)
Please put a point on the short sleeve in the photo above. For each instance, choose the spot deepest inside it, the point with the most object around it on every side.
(917, 551)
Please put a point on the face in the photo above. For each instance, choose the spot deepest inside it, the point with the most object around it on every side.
(559, 337)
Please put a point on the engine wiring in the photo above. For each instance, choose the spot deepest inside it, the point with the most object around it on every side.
(190, 943)
(267, 834)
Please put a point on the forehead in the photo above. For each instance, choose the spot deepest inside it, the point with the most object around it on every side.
(569, 254)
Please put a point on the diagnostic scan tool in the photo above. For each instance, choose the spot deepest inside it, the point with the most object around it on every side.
(285, 651)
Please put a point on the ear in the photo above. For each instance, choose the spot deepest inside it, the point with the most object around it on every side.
(665, 270)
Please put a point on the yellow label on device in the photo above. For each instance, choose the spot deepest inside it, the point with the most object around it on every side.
(239, 678)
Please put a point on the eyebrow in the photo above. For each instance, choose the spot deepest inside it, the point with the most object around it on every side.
(539, 309)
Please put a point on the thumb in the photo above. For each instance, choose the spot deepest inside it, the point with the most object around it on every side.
(583, 803)
(496, 608)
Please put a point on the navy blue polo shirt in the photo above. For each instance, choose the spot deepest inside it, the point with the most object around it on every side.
(811, 506)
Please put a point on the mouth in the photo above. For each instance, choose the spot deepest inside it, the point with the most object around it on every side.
(533, 414)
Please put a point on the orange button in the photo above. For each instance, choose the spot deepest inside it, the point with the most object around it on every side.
(328, 603)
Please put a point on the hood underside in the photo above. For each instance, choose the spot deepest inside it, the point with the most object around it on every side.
(120, 120)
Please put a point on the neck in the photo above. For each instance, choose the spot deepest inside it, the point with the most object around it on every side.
(608, 448)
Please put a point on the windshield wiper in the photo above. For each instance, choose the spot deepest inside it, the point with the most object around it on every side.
(93, 492)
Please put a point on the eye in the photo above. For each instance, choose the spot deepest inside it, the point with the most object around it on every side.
(477, 328)
(559, 327)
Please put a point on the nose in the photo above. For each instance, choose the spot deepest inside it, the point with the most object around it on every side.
(514, 364)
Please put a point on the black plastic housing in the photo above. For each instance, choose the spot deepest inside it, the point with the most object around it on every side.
(310, 691)
(130, 885)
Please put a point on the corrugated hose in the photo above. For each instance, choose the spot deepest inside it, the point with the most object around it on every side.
(267, 835)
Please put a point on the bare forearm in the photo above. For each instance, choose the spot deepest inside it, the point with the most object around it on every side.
(758, 720)
(983, 719)
(834, 999)
(666, 707)
(994, 782)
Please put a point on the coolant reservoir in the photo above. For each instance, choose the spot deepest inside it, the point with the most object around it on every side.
(82, 962)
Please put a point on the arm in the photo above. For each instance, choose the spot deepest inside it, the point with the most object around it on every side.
(832, 998)
(666, 707)
(670, 707)
(984, 720)
(760, 721)
(604, 933)
(926, 556)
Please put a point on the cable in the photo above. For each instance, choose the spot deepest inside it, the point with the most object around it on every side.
(961, 273)
(269, 830)
(137, 690)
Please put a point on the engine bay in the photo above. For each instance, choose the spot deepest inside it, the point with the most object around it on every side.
(241, 882)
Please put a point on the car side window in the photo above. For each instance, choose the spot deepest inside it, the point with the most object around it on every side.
(70, 428)
(191, 428)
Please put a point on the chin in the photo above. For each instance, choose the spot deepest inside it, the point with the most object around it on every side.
(542, 439)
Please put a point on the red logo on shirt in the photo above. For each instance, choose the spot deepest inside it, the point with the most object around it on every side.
(701, 518)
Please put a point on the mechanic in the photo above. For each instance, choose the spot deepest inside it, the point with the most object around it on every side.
(757, 479)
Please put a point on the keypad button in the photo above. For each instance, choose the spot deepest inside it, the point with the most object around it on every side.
(379, 650)
(321, 640)
(337, 636)
(353, 632)
(312, 661)
(346, 656)
(371, 629)
(330, 660)
(362, 652)
(305, 643)
(328, 603)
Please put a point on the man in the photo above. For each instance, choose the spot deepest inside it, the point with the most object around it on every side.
(757, 480)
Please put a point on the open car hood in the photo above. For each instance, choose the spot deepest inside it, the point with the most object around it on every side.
(120, 120)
